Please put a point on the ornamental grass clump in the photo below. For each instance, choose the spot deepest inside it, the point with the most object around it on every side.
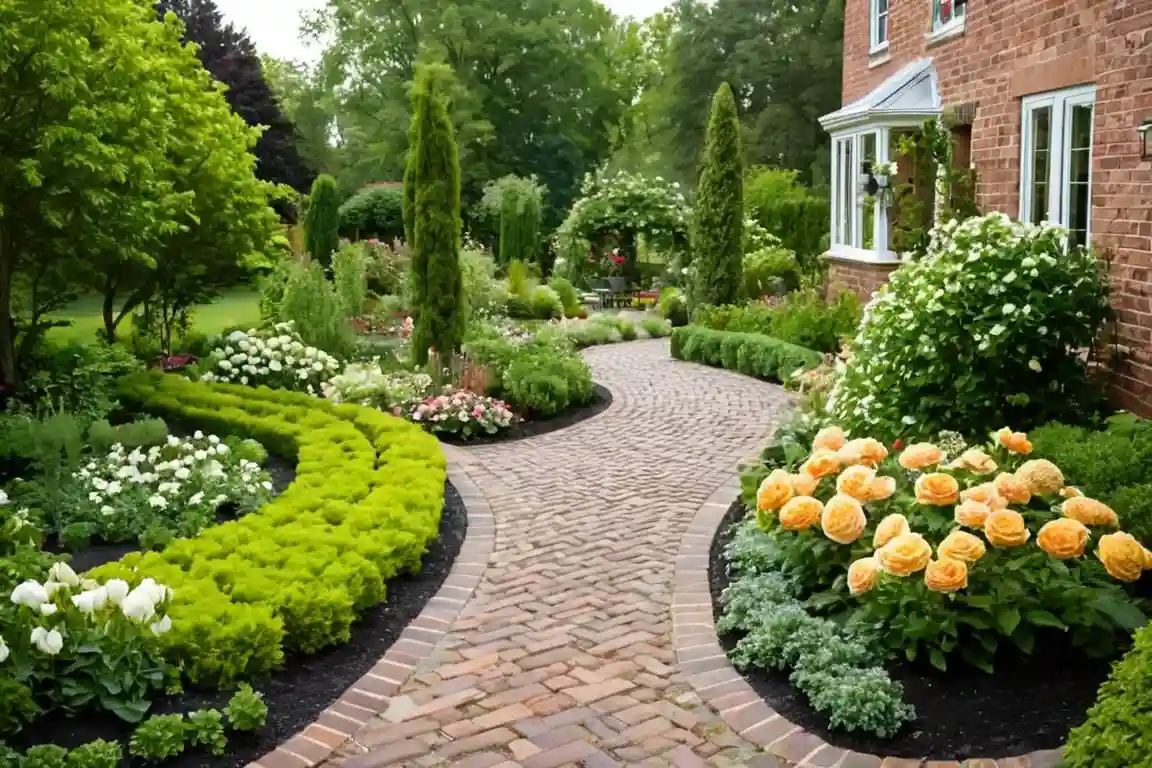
(951, 553)
(985, 330)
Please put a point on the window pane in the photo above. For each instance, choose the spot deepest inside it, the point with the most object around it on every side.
(868, 150)
(1041, 138)
(882, 29)
(846, 189)
(1079, 162)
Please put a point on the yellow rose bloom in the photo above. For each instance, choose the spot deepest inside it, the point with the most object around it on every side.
(1147, 558)
(774, 492)
(937, 489)
(972, 513)
(843, 519)
(1016, 442)
(946, 575)
(1090, 512)
(856, 481)
(803, 484)
(920, 455)
(800, 513)
(1070, 492)
(830, 438)
(1012, 489)
(862, 575)
(1041, 476)
(822, 463)
(1005, 529)
(1122, 555)
(863, 450)
(882, 488)
(976, 461)
(986, 494)
(1064, 538)
(960, 545)
(904, 555)
(890, 527)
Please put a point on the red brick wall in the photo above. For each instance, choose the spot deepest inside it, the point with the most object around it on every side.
(855, 276)
(1014, 48)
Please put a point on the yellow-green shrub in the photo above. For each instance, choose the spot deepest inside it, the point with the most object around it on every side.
(365, 503)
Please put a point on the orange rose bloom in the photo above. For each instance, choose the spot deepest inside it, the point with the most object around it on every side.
(856, 481)
(972, 513)
(774, 492)
(937, 489)
(882, 488)
(1012, 489)
(1016, 442)
(804, 484)
(946, 575)
(800, 513)
(863, 450)
(1090, 512)
(920, 455)
(862, 575)
(822, 463)
(985, 493)
(1041, 476)
(1122, 555)
(890, 527)
(960, 545)
(1005, 528)
(843, 519)
(1147, 558)
(976, 461)
(1070, 492)
(829, 438)
(1064, 538)
(905, 554)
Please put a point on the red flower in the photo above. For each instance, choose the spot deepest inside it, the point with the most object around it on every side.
(897, 445)
(617, 259)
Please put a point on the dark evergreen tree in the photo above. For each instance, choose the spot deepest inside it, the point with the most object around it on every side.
(718, 218)
(410, 178)
(438, 306)
(322, 220)
(231, 58)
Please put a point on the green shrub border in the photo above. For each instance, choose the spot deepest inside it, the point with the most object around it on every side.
(764, 357)
(293, 576)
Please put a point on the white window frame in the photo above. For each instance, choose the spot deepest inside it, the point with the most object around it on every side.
(955, 26)
(850, 245)
(875, 44)
(1060, 135)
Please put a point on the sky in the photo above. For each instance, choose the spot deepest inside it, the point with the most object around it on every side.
(273, 24)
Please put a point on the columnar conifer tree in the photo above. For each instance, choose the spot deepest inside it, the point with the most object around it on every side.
(322, 222)
(718, 218)
(437, 279)
(519, 225)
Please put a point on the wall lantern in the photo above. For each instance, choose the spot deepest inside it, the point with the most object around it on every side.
(1145, 130)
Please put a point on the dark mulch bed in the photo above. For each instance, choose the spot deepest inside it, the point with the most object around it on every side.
(306, 685)
(1029, 703)
(281, 470)
(603, 399)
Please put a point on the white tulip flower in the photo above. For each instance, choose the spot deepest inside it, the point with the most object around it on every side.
(52, 587)
(93, 600)
(139, 605)
(47, 609)
(162, 626)
(31, 593)
(117, 590)
(62, 573)
(3, 650)
(48, 642)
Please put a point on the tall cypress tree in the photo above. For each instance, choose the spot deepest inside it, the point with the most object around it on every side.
(519, 225)
(718, 219)
(410, 178)
(438, 301)
(322, 221)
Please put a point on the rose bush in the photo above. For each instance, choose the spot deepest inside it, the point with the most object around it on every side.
(983, 331)
(946, 553)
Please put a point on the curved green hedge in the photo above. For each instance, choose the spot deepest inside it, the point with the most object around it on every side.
(754, 354)
(365, 503)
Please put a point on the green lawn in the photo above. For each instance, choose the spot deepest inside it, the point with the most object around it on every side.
(241, 307)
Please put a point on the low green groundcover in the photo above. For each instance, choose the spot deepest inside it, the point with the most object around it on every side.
(751, 353)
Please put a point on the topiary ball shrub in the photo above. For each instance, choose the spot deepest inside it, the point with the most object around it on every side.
(374, 212)
(543, 382)
(983, 332)
(546, 303)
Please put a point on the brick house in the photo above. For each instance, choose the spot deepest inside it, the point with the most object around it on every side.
(1045, 99)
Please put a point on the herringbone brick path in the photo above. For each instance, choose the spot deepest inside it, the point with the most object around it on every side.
(562, 656)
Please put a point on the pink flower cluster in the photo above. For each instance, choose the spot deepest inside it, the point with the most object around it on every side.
(462, 412)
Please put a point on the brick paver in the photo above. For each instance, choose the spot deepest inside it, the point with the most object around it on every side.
(563, 654)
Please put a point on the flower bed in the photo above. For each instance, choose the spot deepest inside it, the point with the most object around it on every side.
(764, 357)
(294, 575)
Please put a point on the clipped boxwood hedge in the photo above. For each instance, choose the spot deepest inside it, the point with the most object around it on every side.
(753, 354)
(293, 576)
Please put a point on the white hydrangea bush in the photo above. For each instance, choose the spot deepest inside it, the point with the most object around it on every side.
(986, 330)
(366, 384)
(276, 359)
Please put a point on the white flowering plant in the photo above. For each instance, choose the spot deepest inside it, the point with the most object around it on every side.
(366, 384)
(988, 329)
(462, 412)
(175, 489)
(275, 358)
(77, 644)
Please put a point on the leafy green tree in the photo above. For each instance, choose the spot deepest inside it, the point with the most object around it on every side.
(322, 220)
(718, 217)
(520, 221)
(439, 298)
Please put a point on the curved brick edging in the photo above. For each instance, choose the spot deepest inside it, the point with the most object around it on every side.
(715, 680)
(370, 695)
